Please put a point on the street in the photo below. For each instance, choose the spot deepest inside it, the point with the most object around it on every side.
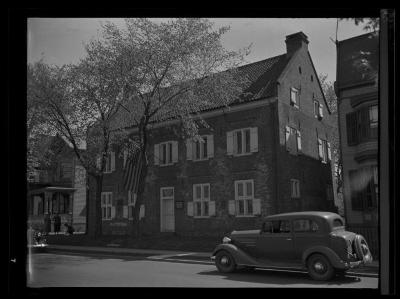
(102, 270)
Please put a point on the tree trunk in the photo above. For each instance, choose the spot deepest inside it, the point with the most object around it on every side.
(137, 230)
(95, 217)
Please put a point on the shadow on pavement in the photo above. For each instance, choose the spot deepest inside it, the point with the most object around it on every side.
(278, 277)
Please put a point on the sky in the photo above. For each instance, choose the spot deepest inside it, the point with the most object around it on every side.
(61, 40)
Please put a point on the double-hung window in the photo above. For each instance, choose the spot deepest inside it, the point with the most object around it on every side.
(201, 199)
(244, 195)
(242, 141)
(166, 153)
(109, 162)
(318, 109)
(199, 150)
(295, 188)
(324, 150)
(106, 205)
(293, 140)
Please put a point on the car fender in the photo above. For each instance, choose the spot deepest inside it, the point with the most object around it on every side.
(241, 257)
(329, 253)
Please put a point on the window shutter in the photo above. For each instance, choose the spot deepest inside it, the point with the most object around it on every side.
(157, 154)
(328, 146)
(190, 208)
(125, 157)
(256, 206)
(287, 138)
(211, 208)
(174, 151)
(321, 113)
(229, 143)
(112, 212)
(98, 162)
(298, 141)
(125, 211)
(141, 212)
(320, 154)
(189, 149)
(231, 207)
(293, 96)
(112, 161)
(254, 139)
(210, 146)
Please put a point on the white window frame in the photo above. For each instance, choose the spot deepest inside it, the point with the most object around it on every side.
(202, 200)
(201, 144)
(243, 137)
(168, 152)
(244, 198)
(107, 205)
(295, 188)
(324, 149)
(294, 102)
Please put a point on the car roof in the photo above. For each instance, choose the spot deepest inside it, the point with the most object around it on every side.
(319, 214)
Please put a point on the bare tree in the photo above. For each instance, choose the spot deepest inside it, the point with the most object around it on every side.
(131, 78)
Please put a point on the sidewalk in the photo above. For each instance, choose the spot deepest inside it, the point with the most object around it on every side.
(371, 270)
(129, 251)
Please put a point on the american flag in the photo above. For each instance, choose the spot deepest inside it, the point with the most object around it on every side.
(132, 172)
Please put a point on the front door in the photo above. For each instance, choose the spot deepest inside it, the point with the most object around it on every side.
(167, 210)
(275, 244)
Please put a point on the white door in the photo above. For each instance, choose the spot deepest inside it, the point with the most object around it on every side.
(167, 210)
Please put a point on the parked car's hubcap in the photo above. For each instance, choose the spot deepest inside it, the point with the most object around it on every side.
(224, 260)
(319, 267)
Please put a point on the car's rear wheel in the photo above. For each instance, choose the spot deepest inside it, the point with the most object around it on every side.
(225, 262)
(319, 267)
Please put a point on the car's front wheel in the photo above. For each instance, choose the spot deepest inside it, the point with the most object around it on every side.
(319, 267)
(225, 262)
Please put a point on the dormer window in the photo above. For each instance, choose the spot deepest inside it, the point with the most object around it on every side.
(294, 97)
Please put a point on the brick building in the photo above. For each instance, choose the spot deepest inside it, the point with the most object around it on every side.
(267, 154)
(57, 188)
(357, 91)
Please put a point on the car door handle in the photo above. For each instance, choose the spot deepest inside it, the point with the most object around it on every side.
(288, 239)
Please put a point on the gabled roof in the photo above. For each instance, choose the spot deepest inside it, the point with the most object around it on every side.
(262, 77)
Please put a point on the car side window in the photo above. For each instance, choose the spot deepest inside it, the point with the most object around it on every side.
(305, 225)
(284, 227)
(277, 226)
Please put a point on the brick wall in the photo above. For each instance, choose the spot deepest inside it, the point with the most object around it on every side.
(314, 176)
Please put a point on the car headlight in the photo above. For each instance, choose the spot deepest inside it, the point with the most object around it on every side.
(226, 240)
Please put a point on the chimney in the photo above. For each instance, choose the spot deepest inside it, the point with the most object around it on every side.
(295, 42)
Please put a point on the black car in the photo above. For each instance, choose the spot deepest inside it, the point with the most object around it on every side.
(312, 241)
